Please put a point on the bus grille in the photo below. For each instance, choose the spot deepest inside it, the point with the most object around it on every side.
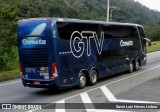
(35, 57)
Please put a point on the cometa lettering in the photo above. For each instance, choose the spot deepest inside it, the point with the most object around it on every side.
(33, 42)
(126, 43)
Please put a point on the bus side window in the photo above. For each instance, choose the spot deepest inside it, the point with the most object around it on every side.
(79, 27)
(116, 31)
(142, 36)
(64, 30)
(124, 31)
(141, 32)
(107, 29)
(134, 33)
(95, 28)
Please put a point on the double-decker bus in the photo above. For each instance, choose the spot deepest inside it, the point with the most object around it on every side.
(61, 52)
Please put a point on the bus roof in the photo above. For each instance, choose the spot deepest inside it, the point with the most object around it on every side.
(96, 22)
(82, 21)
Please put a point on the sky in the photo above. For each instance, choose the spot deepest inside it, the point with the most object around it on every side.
(152, 4)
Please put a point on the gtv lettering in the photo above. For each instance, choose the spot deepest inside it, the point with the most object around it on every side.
(30, 70)
(77, 39)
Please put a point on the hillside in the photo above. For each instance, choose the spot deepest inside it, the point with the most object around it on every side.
(126, 10)
(13, 10)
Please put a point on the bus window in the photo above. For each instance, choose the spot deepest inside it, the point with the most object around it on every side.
(142, 36)
(97, 28)
(133, 33)
(121, 31)
(141, 32)
(107, 29)
(79, 27)
(116, 31)
(64, 30)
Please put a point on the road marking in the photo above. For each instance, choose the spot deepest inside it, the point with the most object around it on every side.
(111, 97)
(85, 99)
(108, 94)
(9, 83)
(132, 75)
(60, 108)
(111, 82)
(107, 85)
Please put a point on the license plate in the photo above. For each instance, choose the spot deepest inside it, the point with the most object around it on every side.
(37, 83)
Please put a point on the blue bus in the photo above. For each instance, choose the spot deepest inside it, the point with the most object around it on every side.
(61, 52)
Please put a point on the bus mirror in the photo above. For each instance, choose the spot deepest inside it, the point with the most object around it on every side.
(148, 40)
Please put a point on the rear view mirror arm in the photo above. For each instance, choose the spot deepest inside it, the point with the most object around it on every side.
(149, 41)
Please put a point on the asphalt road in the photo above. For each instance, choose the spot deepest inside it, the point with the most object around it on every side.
(137, 87)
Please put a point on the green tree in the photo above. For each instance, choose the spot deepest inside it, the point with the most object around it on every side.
(8, 43)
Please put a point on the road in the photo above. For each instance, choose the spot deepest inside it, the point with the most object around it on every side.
(137, 87)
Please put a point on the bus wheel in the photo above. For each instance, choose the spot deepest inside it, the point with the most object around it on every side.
(93, 77)
(82, 80)
(131, 67)
(136, 67)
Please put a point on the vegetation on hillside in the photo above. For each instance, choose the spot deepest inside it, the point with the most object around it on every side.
(13, 10)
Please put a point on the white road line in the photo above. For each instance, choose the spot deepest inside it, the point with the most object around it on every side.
(111, 97)
(108, 84)
(108, 94)
(61, 107)
(111, 83)
(132, 75)
(9, 83)
(85, 99)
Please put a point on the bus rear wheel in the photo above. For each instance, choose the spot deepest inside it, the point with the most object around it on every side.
(93, 77)
(131, 67)
(136, 67)
(82, 81)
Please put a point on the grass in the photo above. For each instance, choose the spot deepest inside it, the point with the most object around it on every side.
(154, 47)
(7, 75)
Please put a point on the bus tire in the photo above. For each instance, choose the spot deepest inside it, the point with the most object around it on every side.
(131, 67)
(93, 78)
(82, 81)
(136, 66)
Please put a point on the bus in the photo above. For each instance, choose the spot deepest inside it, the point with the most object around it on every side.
(62, 52)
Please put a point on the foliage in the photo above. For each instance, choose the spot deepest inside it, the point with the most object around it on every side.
(13, 10)
(8, 43)
(154, 47)
(153, 32)
(5, 75)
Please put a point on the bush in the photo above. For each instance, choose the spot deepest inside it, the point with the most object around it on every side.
(9, 59)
